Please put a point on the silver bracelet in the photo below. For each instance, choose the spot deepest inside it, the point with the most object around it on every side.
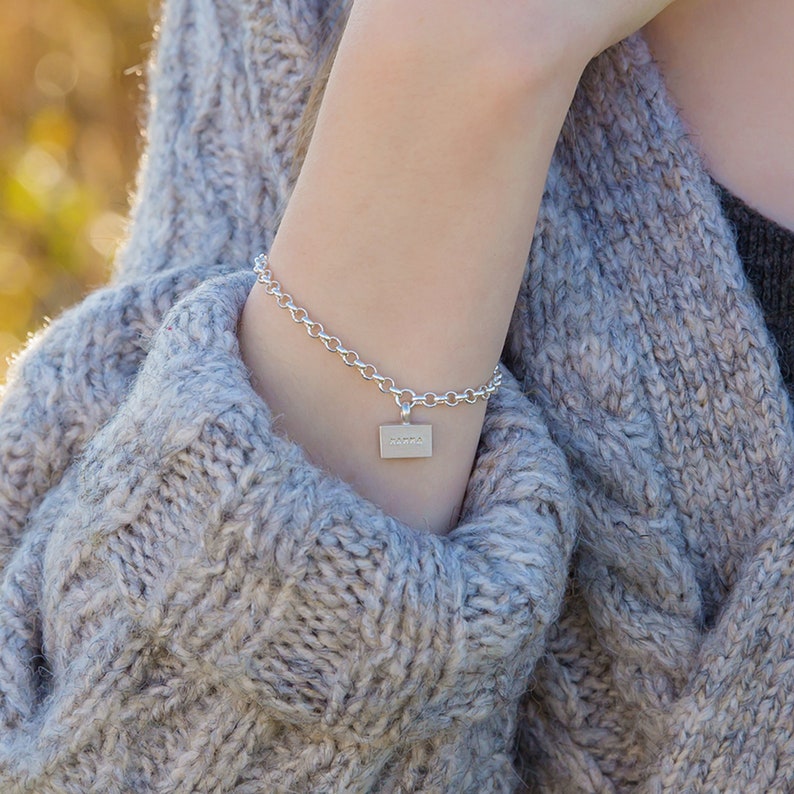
(404, 440)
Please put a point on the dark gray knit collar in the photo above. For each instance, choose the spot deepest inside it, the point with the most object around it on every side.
(767, 252)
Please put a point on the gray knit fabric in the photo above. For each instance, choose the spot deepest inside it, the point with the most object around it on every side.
(188, 605)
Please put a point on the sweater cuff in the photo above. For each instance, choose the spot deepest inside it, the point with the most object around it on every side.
(268, 576)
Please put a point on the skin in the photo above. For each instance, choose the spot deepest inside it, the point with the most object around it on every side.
(407, 231)
(728, 64)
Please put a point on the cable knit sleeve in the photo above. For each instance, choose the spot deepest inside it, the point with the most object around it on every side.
(189, 604)
(267, 576)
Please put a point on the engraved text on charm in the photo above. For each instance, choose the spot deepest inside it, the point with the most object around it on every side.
(406, 441)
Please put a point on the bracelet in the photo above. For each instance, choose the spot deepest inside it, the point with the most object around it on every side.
(404, 440)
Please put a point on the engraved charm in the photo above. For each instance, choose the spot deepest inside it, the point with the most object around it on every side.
(406, 440)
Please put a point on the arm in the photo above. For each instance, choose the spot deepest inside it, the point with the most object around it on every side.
(408, 229)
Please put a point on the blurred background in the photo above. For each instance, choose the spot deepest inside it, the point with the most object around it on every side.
(71, 106)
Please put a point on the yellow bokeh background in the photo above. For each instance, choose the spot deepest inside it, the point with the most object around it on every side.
(71, 106)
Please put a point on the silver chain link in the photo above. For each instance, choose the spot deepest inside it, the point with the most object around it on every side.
(333, 344)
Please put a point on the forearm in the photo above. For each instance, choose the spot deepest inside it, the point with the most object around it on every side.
(406, 236)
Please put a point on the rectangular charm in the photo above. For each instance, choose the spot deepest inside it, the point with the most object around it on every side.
(406, 441)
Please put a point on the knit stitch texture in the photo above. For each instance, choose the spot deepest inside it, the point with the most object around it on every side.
(189, 605)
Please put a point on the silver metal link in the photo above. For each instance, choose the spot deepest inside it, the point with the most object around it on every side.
(333, 344)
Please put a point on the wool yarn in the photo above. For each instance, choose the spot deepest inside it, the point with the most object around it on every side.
(189, 605)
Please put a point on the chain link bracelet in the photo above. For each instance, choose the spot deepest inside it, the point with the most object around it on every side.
(404, 440)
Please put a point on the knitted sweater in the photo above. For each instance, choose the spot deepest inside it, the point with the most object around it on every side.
(189, 605)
